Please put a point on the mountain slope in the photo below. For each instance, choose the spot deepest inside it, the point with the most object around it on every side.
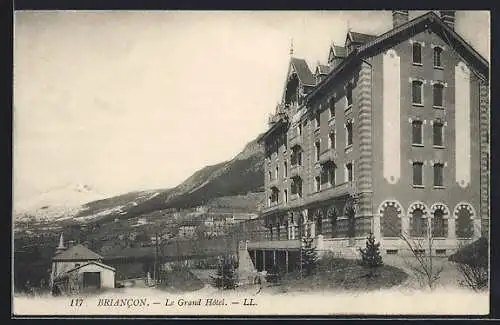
(242, 174)
(59, 201)
(235, 183)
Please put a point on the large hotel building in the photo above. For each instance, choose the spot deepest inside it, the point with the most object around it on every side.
(394, 127)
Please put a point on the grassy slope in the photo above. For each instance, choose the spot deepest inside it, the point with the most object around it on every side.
(343, 274)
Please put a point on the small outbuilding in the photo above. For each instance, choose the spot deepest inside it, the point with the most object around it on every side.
(78, 269)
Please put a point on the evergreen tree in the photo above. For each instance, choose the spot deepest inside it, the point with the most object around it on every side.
(370, 255)
(226, 276)
(274, 275)
(309, 256)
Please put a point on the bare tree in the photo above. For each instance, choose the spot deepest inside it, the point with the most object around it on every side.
(471, 261)
(422, 263)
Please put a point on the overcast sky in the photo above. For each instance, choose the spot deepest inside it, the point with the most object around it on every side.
(138, 100)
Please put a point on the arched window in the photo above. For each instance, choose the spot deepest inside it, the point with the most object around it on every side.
(439, 228)
(437, 56)
(332, 215)
(417, 53)
(418, 226)
(318, 218)
(464, 223)
(391, 222)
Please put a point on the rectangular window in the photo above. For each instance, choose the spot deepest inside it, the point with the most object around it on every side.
(331, 140)
(317, 184)
(417, 53)
(349, 172)
(417, 174)
(348, 128)
(317, 121)
(332, 107)
(437, 128)
(349, 95)
(438, 174)
(437, 56)
(285, 169)
(417, 92)
(296, 187)
(416, 132)
(316, 150)
(331, 175)
(437, 90)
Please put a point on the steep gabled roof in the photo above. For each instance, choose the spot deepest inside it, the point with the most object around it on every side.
(77, 253)
(303, 72)
(406, 30)
(92, 262)
(339, 51)
(360, 38)
(322, 69)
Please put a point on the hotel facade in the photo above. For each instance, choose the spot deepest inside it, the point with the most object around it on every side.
(390, 137)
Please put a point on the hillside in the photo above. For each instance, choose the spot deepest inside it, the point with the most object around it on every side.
(234, 184)
(239, 176)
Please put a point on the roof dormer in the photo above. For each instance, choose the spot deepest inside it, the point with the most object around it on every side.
(354, 40)
(299, 81)
(336, 55)
(321, 72)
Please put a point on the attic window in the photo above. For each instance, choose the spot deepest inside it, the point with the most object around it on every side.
(291, 92)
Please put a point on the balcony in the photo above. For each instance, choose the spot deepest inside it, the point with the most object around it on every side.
(283, 244)
(295, 170)
(280, 115)
(296, 141)
(329, 155)
(273, 183)
(330, 192)
(274, 207)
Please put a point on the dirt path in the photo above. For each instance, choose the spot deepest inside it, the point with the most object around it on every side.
(448, 278)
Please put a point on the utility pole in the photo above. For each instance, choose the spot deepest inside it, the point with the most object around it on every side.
(156, 260)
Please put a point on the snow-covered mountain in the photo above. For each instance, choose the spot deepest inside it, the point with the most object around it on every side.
(66, 200)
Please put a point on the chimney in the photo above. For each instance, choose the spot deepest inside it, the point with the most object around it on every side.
(448, 17)
(399, 17)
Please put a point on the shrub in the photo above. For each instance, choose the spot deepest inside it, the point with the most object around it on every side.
(370, 255)
(309, 257)
(226, 276)
(472, 263)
